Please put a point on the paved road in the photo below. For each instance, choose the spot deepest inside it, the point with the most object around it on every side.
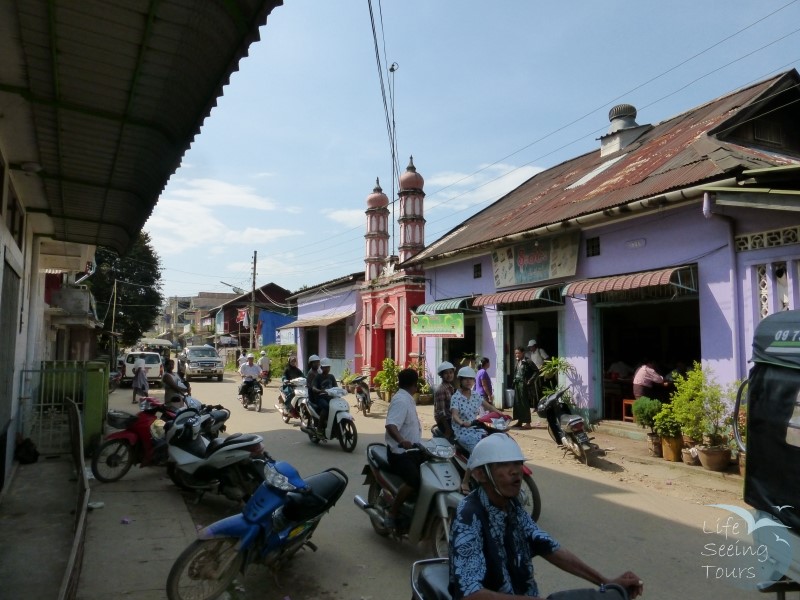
(611, 516)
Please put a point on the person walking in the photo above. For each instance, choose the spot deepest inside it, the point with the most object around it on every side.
(523, 372)
(537, 356)
(141, 387)
(483, 383)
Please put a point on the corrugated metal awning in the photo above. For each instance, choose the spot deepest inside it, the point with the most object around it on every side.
(682, 277)
(440, 305)
(322, 321)
(525, 295)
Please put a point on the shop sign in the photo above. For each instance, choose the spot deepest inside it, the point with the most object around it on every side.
(286, 337)
(449, 325)
(536, 260)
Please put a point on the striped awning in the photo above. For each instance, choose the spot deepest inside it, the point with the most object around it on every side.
(440, 305)
(510, 297)
(320, 321)
(683, 277)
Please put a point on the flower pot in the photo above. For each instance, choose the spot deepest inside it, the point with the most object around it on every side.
(688, 457)
(654, 445)
(689, 442)
(714, 458)
(671, 448)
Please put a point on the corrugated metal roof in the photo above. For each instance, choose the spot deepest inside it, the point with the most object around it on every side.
(106, 97)
(511, 297)
(449, 304)
(672, 155)
(321, 321)
(624, 282)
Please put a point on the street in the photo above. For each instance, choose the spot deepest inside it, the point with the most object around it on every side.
(616, 517)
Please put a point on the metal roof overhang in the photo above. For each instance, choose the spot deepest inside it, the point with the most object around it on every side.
(450, 304)
(764, 198)
(682, 277)
(318, 321)
(548, 293)
(100, 100)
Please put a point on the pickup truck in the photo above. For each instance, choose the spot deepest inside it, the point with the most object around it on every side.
(200, 361)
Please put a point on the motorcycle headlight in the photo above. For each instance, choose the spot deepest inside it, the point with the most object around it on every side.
(273, 478)
(442, 451)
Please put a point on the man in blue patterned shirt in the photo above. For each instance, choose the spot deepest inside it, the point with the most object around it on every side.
(493, 539)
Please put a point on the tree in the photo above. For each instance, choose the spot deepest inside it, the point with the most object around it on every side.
(138, 291)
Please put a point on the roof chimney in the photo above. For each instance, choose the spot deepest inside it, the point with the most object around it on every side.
(623, 129)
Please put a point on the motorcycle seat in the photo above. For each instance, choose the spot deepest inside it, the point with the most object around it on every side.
(236, 438)
(327, 486)
(378, 454)
(434, 582)
(219, 415)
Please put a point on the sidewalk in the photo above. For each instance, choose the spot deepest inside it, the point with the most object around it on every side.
(132, 541)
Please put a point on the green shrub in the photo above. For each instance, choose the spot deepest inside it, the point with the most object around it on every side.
(386, 378)
(644, 411)
(665, 424)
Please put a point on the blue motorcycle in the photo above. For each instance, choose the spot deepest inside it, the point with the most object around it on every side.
(277, 521)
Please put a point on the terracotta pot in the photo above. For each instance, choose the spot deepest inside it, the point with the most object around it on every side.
(654, 445)
(688, 457)
(689, 442)
(671, 448)
(714, 458)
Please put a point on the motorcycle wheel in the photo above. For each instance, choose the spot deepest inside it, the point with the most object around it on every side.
(112, 460)
(284, 415)
(176, 477)
(363, 402)
(529, 497)
(348, 436)
(305, 417)
(204, 570)
(439, 542)
(375, 499)
(257, 402)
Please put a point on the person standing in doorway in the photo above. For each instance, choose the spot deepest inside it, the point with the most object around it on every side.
(523, 372)
(536, 356)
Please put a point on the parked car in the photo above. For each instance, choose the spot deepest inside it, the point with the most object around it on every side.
(200, 361)
(152, 362)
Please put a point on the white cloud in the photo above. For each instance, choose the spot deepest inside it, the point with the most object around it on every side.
(464, 190)
(350, 217)
(213, 192)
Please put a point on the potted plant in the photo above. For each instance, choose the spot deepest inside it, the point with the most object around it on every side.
(386, 379)
(347, 377)
(667, 426)
(644, 411)
(552, 371)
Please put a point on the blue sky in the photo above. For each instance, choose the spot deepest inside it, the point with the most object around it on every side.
(486, 95)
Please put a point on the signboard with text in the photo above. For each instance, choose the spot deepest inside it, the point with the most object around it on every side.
(450, 325)
(536, 260)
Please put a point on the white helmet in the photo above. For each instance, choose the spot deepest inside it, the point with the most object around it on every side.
(495, 448)
(444, 367)
(313, 357)
(250, 355)
(263, 353)
(325, 362)
(532, 343)
(467, 372)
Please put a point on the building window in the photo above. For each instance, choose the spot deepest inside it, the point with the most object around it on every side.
(773, 283)
(476, 271)
(593, 246)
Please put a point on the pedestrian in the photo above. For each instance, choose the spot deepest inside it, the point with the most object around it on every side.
(523, 372)
(537, 356)
(441, 399)
(483, 383)
(141, 387)
(242, 358)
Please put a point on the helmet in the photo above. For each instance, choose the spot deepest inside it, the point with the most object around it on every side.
(467, 372)
(531, 343)
(495, 448)
(250, 355)
(263, 353)
(325, 362)
(313, 357)
(444, 367)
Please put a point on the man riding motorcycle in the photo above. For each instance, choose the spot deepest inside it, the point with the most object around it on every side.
(324, 381)
(249, 372)
(292, 371)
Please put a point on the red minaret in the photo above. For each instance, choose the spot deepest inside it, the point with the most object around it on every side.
(377, 236)
(412, 223)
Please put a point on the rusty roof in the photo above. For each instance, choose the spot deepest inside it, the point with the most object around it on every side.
(100, 99)
(680, 152)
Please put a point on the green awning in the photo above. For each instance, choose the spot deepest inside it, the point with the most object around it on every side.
(442, 305)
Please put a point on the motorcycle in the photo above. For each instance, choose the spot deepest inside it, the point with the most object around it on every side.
(529, 495)
(426, 518)
(278, 520)
(300, 388)
(430, 579)
(340, 423)
(572, 427)
(265, 377)
(252, 396)
(363, 397)
(228, 466)
(115, 379)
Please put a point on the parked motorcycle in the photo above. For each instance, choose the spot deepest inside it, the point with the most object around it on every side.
(363, 397)
(427, 517)
(229, 466)
(278, 520)
(300, 390)
(529, 495)
(252, 396)
(572, 432)
(115, 379)
(339, 425)
(430, 579)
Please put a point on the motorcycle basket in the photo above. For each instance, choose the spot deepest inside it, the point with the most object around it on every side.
(119, 419)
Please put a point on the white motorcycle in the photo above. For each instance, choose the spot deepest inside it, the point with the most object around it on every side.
(300, 391)
(340, 424)
(232, 466)
(428, 516)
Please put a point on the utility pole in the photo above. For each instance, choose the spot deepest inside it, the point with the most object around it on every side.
(253, 301)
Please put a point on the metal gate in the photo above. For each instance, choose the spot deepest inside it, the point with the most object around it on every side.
(44, 395)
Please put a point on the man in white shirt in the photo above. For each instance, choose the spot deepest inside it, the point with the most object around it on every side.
(264, 364)
(403, 431)
(249, 372)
